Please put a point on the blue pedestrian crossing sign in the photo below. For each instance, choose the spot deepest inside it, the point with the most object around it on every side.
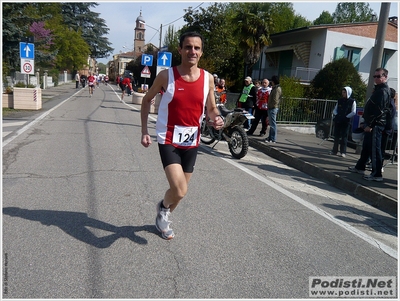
(26, 50)
(164, 59)
(147, 60)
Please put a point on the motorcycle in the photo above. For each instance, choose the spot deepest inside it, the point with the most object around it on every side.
(232, 131)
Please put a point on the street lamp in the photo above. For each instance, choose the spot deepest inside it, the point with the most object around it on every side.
(160, 31)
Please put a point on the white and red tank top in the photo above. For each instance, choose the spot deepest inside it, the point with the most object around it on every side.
(91, 80)
(181, 110)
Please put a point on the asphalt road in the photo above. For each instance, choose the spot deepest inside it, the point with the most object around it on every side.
(79, 196)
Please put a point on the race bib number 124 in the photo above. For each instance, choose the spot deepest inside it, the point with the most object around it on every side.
(185, 135)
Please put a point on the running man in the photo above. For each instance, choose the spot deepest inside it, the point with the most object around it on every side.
(91, 82)
(178, 123)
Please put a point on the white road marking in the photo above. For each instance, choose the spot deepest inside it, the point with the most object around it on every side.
(6, 125)
(130, 106)
(15, 123)
(29, 125)
(266, 180)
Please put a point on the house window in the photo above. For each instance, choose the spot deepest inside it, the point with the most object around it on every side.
(387, 54)
(353, 55)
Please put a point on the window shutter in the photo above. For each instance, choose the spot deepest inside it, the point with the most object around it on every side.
(356, 58)
(339, 53)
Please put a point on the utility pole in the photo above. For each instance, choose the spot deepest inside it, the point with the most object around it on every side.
(379, 44)
(159, 47)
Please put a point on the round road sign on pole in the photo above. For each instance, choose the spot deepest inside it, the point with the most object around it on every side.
(27, 66)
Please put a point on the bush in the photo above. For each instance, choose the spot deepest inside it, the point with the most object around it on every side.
(23, 85)
(291, 87)
(329, 81)
(20, 85)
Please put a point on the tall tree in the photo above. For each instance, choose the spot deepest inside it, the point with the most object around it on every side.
(73, 51)
(171, 40)
(213, 24)
(300, 21)
(324, 18)
(253, 30)
(63, 33)
(69, 49)
(15, 28)
(44, 45)
(348, 12)
(79, 16)
(282, 15)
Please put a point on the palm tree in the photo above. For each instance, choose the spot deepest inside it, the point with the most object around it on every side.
(253, 24)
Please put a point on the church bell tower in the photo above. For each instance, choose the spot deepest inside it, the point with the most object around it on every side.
(138, 41)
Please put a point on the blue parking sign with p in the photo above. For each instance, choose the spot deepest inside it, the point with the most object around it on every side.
(147, 60)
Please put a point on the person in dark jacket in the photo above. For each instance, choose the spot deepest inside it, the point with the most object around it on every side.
(344, 110)
(273, 107)
(375, 118)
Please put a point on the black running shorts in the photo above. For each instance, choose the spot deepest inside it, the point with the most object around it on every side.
(186, 157)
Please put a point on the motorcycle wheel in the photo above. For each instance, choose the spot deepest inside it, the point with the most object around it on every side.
(205, 135)
(239, 144)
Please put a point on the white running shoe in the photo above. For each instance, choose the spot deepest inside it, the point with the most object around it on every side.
(163, 222)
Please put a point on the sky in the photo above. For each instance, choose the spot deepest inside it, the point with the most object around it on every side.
(120, 18)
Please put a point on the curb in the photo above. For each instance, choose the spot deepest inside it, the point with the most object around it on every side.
(369, 196)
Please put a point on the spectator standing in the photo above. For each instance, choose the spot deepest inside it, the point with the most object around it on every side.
(177, 118)
(273, 108)
(221, 91)
(247, 98)
(216, 80)
(391, 126)
(344, 110)
(83, 80)
(375, 118)
(77, 80)
(261, 110)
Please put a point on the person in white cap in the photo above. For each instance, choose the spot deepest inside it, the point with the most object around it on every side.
(216, 80)
(248, 98)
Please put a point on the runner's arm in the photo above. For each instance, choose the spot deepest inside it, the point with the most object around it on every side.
(159, 82)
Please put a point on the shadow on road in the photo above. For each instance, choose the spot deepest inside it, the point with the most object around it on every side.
(76, 224)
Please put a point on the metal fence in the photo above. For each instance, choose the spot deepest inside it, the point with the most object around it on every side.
(296, 110)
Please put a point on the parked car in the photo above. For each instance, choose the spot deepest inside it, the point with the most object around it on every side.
(324, 129)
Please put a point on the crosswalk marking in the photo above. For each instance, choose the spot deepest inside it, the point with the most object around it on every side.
(7, 125)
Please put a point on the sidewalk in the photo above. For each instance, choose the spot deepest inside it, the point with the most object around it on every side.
(307, 153)
(301, 151)
(50, 96)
